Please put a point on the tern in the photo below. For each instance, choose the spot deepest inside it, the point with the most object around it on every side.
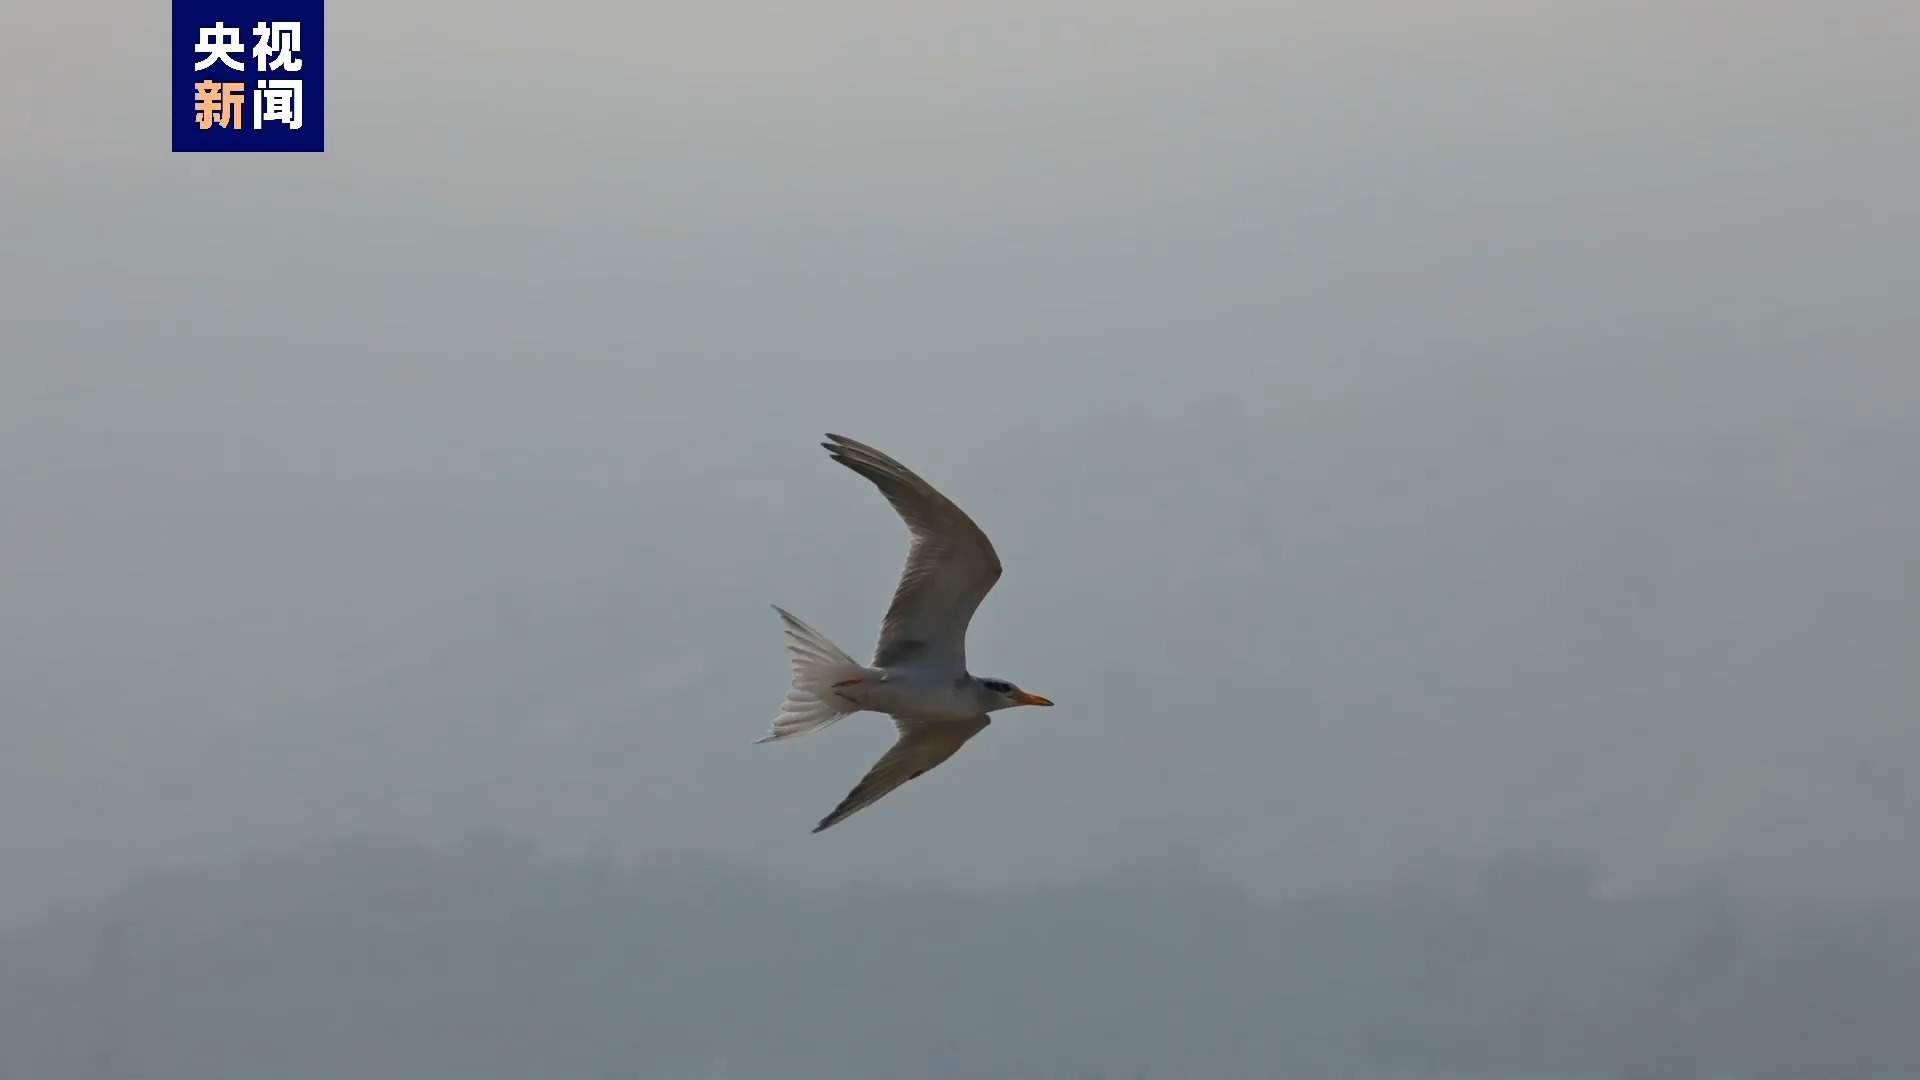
(919, 672)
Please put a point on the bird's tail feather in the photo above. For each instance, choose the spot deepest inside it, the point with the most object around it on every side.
(818, 663)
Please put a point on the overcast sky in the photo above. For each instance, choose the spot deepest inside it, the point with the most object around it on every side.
(1412, 431)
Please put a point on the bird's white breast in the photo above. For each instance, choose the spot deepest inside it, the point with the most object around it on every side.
(906, 692)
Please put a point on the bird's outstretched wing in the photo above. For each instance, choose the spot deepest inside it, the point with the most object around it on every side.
(950, 565)
(922, 745)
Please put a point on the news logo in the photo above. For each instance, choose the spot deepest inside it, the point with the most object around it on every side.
(248, 75)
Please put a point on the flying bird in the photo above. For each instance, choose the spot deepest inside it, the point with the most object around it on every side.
(919, 671)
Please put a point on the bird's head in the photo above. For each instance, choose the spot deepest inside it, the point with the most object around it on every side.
(1001, 694)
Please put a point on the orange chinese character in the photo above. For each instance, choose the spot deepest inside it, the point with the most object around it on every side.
(222, 103)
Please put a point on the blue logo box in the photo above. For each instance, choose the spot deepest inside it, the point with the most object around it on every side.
(248, 75)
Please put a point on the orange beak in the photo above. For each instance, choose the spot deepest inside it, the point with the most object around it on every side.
(1025, 698)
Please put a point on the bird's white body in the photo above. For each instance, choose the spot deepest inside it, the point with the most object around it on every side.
(919, 671)
(921, 692)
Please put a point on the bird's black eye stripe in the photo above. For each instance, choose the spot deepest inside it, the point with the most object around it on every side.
(997, 686)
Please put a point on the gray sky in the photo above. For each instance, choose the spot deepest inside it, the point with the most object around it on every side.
(1411, 430)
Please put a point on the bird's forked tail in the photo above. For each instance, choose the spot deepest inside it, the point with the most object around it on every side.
(812, 701)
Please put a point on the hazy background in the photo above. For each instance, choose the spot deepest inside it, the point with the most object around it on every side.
(1414, 432)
